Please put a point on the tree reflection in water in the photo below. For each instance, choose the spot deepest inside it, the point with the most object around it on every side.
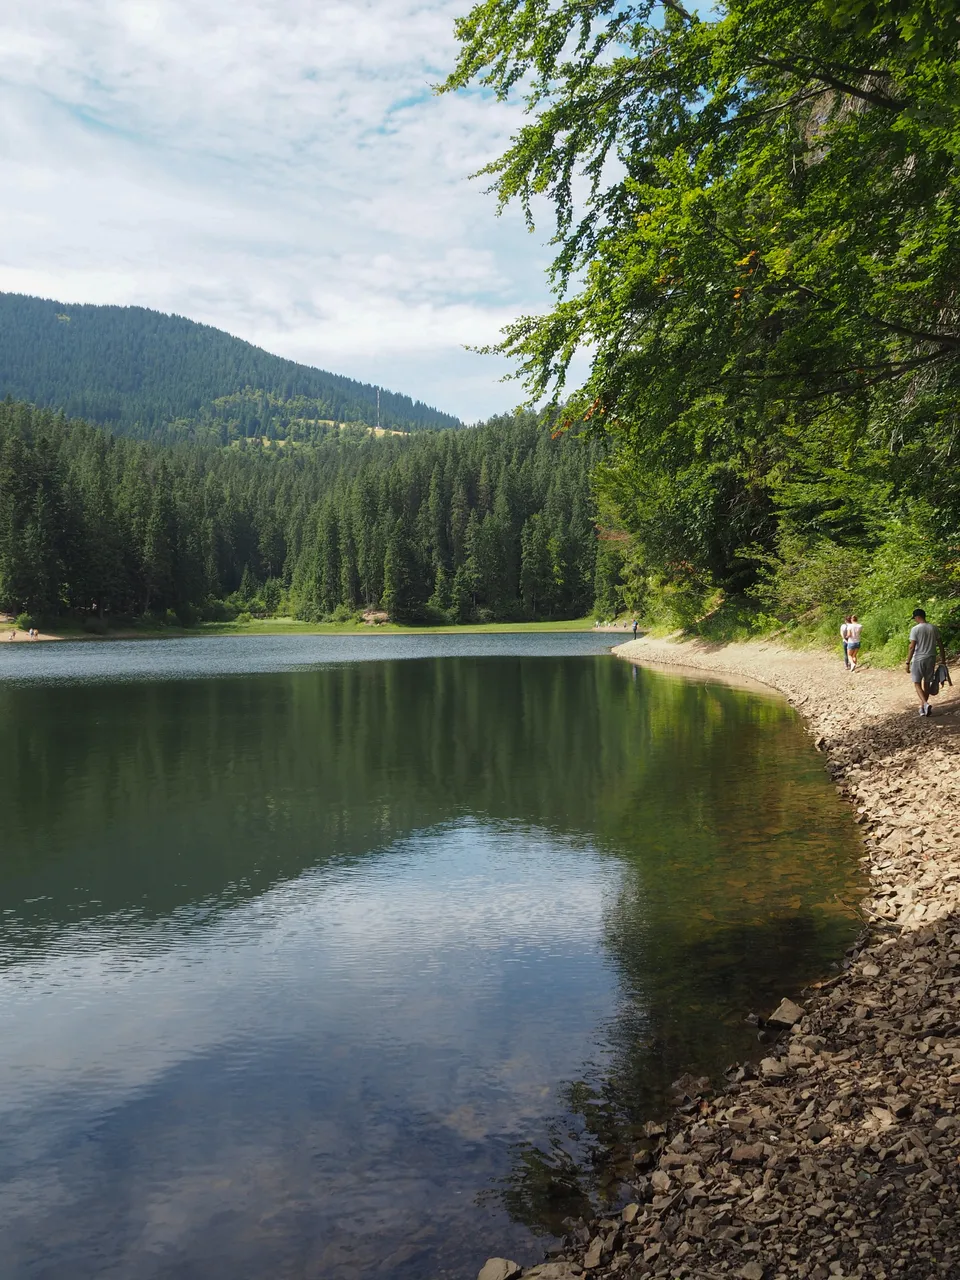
(740, 863)
(184, 798)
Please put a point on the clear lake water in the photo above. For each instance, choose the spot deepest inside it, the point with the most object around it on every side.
(364, 957)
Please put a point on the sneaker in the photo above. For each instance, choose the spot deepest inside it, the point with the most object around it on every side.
(923, 711)
(929, 709)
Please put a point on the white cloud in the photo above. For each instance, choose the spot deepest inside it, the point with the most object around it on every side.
(280, 170)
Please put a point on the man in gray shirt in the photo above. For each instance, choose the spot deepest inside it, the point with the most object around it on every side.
(925, 639)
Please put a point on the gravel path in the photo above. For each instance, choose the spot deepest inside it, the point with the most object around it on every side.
(839, 1154)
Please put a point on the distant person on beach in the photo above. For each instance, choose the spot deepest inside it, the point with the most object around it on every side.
(635, 625)
(925, 639)
(843, 636)
(854, 629)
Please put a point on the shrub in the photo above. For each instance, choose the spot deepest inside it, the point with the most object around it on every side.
(218, 611)
(672, 605)
(904, 565)
(24, 621)
(434, 615)
(187, 615)
(809, 579)
(732, 618)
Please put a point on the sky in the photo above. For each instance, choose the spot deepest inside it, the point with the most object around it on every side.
(277, 168)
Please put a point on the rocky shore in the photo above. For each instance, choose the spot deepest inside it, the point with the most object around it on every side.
(838, 1154)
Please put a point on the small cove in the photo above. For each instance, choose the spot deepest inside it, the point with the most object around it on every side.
(338, 957)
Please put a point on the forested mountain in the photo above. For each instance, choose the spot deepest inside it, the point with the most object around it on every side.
(488, 523)
(157, 376)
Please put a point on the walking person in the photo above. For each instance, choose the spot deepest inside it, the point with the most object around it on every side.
(925, 639)
(843, 636)
(635, 625)
(854, 629)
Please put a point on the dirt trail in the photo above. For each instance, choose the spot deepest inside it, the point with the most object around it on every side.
(838, 1155)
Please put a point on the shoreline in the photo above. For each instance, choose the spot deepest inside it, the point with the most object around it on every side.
(838, 1154)
(277, 627)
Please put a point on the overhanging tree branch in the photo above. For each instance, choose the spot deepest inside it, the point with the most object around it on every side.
(842, 86)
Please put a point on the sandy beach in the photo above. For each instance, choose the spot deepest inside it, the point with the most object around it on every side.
(9, 634)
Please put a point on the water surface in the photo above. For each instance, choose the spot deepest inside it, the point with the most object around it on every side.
(337, 957)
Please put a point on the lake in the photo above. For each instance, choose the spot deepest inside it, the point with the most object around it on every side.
(345, 957)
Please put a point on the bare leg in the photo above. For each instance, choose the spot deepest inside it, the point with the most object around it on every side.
(922, 694)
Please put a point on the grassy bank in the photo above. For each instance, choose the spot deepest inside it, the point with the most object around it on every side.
(290, 626)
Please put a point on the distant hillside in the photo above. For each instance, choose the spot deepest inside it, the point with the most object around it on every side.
(143, 373)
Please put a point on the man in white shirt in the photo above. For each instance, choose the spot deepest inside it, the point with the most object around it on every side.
(925, 639)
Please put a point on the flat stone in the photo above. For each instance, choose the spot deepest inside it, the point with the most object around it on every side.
(679, 1160)
(594, 1255)
(499, 1269)
(744, 1151)
(630, 1212)
(786, 1014)
(752, 1271)
(773, 1068)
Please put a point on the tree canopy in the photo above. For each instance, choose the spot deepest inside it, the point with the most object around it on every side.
(757, 232)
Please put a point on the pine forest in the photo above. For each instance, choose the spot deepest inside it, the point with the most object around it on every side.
(490, 523)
